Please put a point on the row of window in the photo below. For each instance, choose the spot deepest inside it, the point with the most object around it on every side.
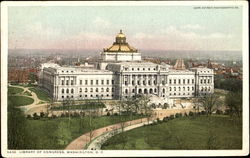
(205, 89)
(68, 82)
(139, 69)
(174, 94)
(97, 82)
(179, 88)
(181, 81)
(86, 96)
(96, 90)
(88, 90)
(204, 81)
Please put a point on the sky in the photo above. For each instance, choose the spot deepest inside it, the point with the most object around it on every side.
(146, 27)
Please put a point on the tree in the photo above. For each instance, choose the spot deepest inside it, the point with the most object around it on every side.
(146, 108)
(234, 102)
(63, 133)
(208, 102)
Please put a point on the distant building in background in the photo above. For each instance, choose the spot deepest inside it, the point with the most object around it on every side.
(121, 73)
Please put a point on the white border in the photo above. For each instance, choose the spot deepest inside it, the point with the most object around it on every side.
(112, 153)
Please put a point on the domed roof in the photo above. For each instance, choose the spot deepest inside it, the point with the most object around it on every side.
(121, 35)
(120, 45)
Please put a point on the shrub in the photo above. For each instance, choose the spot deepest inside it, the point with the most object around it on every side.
(219, 112)
(53, 116)
(108, 113)
(115, 114)
(35, 116)
(28, 116)
(42, 114)
(203, 112)
(191, 113)
(158, 120)
(185, 114)
(227, 112)
(62, 115)
(177, 115)
(171, 117)
(166, 119)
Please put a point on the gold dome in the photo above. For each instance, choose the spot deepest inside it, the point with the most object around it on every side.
(120, 45)
(121, 35)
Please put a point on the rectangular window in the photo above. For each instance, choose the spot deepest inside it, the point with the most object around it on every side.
(170, 81)
(80, 82)
(183, 81)
(188, 81)
(96, 82)
(193, 81)
(174, 81)
(107, 82)
(86, 82)
(113, 82)
(62, 82)
(91, 82)
(67, 82)
(179, 81)
(102, 82)
(72, 82)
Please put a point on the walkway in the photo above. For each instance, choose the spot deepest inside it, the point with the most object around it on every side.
(36, 102)
(83, 141)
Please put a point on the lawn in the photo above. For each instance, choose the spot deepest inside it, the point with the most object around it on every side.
(186, 133)
(14, 90)
(57, 133)
(91, 105)
(19, 100)
(42, 95)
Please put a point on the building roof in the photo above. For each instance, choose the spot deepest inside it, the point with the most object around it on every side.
(120, 45)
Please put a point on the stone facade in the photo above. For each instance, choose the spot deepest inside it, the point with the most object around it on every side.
(123, 77)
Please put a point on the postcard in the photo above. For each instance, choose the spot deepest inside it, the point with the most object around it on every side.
(124, 78)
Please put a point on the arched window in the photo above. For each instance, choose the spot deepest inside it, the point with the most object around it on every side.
(67, 91)
(170, 88)
(72, 90)
(96, 90)
(91, 89)
(163, 90)
(140, 91)
(174, 88)
(126, 91)
(107, 90)
(145, 91)
(183, 88)
(102, 89)
(179, 88)
(62, 90)
(86, 89)
(80, 90)
(188, 88)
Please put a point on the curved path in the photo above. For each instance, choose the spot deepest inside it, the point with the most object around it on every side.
(35, 104)
(84, 141)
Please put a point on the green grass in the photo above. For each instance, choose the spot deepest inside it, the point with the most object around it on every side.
(42, 95)
(186, 133)
(91, 105)
(27, 93)
(14, 90)
(59, 132)
(19, 101)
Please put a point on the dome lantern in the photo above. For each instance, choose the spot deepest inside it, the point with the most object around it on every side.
(120, 38)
